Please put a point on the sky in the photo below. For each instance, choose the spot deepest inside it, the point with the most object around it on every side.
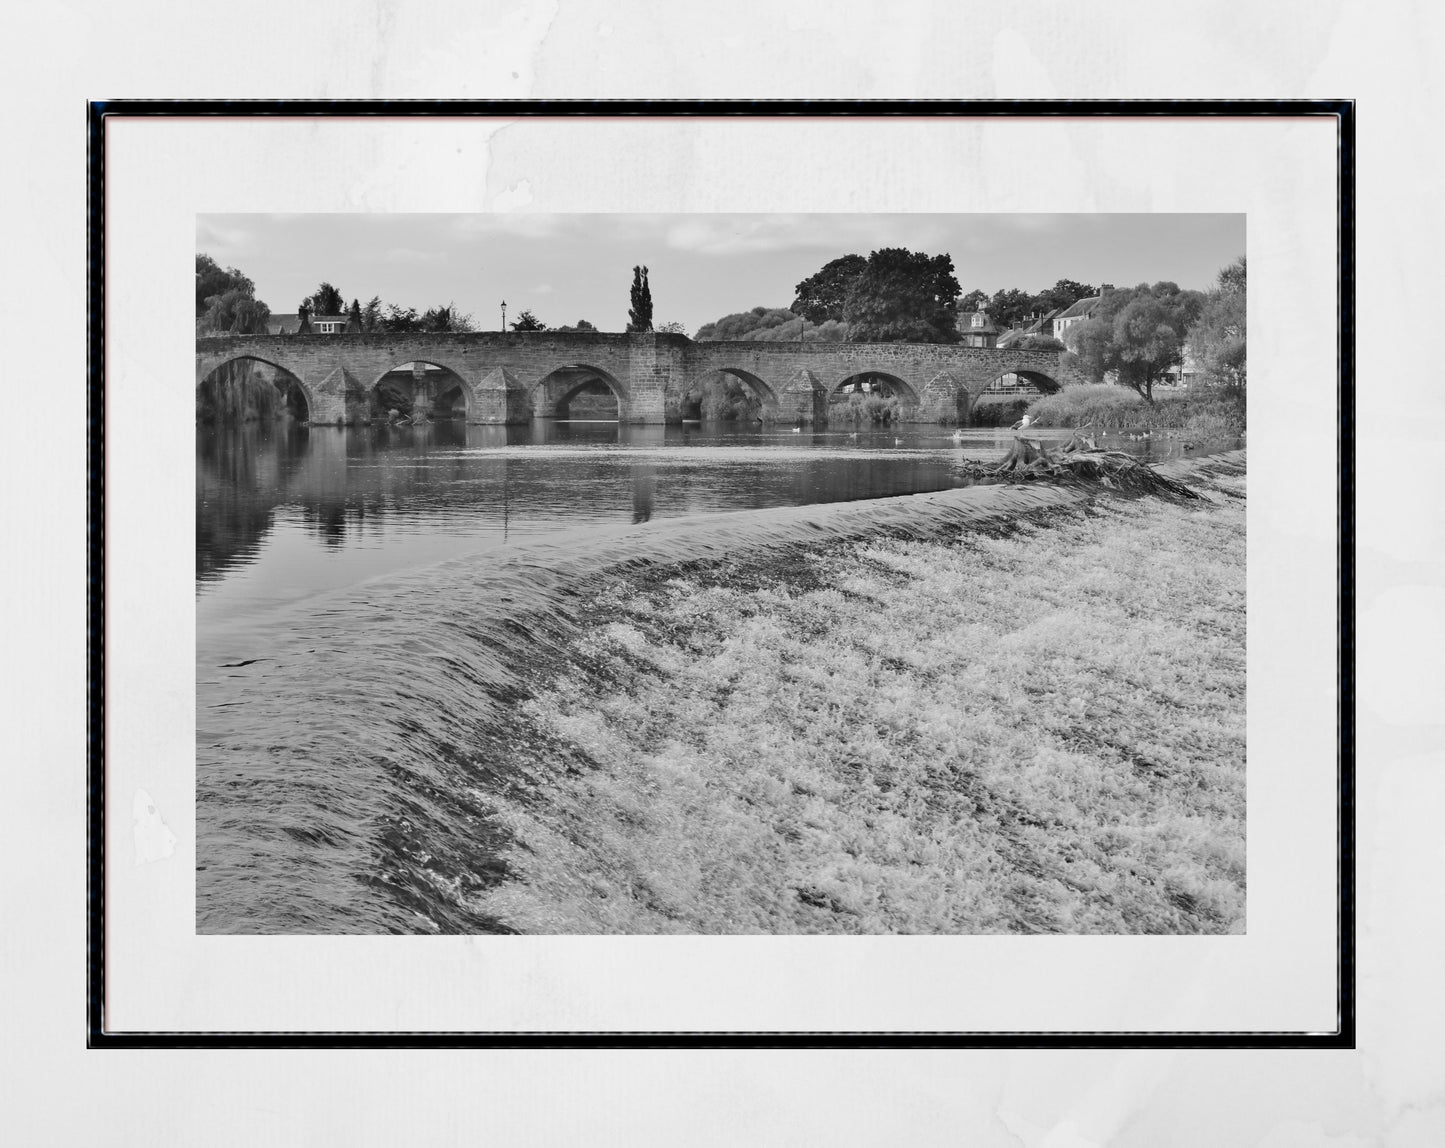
(564, 268)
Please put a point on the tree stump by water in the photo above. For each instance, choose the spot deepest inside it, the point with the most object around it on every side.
(1081, 460)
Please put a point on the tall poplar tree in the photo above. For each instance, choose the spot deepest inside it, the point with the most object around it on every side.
(639, 318)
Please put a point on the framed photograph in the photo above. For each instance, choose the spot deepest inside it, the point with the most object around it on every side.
(722, 575)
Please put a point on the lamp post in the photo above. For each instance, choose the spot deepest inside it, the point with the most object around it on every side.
(504, 314)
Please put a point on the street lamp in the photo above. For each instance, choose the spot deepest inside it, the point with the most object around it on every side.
(504, 314)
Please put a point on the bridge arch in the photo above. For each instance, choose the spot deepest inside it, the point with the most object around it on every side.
(897, 387)
(1027, 377)
(231, 374)
(442, 396)
(685, 400)
(564, 382)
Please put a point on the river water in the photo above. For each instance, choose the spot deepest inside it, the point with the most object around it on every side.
(353, 679)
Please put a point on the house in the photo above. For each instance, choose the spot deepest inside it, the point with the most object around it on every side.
(1078, 312)
(1035, 324)
(282, 324)
(328, 324)
(977, 329)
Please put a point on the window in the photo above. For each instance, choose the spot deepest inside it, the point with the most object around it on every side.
(978, 320)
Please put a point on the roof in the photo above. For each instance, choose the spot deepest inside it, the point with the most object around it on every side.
(1009, 338)
(282, 324)
(1079, 309)
(965, 323)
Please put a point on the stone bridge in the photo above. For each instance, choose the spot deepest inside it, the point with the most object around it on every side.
(511, 377)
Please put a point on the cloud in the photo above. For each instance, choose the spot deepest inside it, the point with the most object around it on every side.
(213, 236)
(523, 224)
(413, 255)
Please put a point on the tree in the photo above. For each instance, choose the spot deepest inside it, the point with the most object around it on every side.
(303, 312)
(820, 296)
(975, 300)
(903, 297)
(672, 329)
(211, 280)
(580, 325)
(327, 300)
(639, 317)
(447, 318)
(400, 322)
(1217, 340)
(1010, 307)
(1040, 343)
(747, 324)
(1136, 334)
(353, 319)
(234, 312)
(1062, 295)
(527, 321)
(371, 314)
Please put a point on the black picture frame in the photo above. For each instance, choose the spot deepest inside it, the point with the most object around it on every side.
(99, 1036)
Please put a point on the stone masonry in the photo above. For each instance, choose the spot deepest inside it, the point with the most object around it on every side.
(508, 377)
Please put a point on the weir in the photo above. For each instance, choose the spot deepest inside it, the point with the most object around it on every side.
(512, 377)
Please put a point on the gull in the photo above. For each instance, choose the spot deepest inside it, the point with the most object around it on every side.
(1022, 424)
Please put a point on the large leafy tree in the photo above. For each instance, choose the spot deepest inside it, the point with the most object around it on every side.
(1217, 339)
(527, 321)
(1136, 334)
(1009, 307)
(234, 312)
(770, 325)
(400, 321)
(212, 279)
(226, 301)
(446, 318)
(975, 300)
(1065, 293)
(580, 325)
(327, 300)
(903, 296)
(820, 297)
(639, 316)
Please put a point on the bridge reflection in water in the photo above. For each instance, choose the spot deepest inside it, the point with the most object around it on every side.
(274, 499)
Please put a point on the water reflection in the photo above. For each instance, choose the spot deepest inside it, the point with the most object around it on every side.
(286, 509)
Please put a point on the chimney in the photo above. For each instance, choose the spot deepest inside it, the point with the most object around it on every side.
(1104, 289)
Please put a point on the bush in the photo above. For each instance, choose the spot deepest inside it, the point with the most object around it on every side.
(1204, 411)
(1106, 406)
(858, 409)
(998, 410)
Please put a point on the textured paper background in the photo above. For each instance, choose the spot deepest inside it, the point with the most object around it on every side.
(1386, 1092)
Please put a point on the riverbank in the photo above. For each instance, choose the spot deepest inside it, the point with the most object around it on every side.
(1024, 723)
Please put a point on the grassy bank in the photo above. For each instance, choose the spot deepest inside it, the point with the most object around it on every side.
(1038, 729)
(1199, 411)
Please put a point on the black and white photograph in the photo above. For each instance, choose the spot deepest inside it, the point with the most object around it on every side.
(752, 575)
(720, 573)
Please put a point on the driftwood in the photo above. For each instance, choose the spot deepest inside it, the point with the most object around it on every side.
(1081, 460)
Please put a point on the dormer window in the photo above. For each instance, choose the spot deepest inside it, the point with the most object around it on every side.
(977, 319)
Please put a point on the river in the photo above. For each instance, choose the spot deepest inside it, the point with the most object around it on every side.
(353, 682)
